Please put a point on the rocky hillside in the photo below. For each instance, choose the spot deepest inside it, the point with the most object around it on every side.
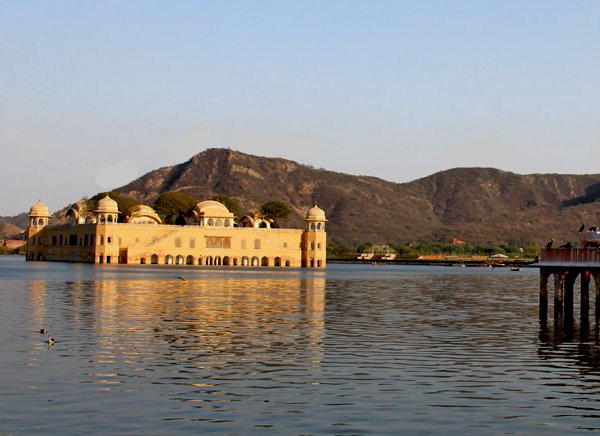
(476, 204)
(480, 205)
(12, 227)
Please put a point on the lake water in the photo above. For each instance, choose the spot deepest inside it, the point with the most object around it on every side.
(354, 349)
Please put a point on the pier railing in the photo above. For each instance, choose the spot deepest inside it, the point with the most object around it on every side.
(571, 256)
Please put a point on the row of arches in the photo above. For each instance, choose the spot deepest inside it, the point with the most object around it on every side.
(253, 261)
(319, 227)
(564, 281)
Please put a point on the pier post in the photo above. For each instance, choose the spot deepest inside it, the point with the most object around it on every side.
(559, 293)
(544, 295)
(585, 300)
(569, 284)
(596, 277)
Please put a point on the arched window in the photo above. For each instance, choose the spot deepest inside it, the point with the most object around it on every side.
(168, 259)
(318, 226)
(319, 263)
(109, 219)
(189, 260)
(287, 263)
(209, 260)
(217, 260)
(211, 222)
(219, 222)
(255, 261)
(245, 261)
(277, 261)
(226, 261)
(179, 260)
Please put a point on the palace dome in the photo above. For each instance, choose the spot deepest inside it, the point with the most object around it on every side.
(142, 213)
(107, 205)
(315, 213)
(212, 208)
(39, 209)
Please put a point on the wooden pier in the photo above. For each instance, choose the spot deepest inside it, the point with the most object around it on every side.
(565, 266)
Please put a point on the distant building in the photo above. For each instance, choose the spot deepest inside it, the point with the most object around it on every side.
(212, 240)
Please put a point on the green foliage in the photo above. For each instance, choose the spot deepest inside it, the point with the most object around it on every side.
(229, 203)
(124, 203)
(275, 210)
(336, 251)
(524, 249)
(361, 248)
(172, 204)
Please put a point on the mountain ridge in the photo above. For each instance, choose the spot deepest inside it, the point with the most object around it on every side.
(477, 204)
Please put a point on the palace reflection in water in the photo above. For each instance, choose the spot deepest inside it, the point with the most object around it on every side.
(349, 350)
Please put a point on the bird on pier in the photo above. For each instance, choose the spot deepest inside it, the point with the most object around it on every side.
(43, 331)
(593, 228)
(50, 340)
(582, 228)
(550, 242)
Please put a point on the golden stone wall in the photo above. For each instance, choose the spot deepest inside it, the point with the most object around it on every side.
(139, 243)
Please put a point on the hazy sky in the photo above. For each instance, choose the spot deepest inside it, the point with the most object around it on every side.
(95, 94)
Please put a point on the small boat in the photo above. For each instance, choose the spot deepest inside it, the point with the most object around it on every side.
(516, 268)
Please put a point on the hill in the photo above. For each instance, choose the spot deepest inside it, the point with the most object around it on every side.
(481, 205)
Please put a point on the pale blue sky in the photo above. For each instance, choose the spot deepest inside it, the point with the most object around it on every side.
(95, 94)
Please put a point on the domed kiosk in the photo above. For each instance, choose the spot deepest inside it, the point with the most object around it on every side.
(107, 210)
(314, 239)
(142, 214)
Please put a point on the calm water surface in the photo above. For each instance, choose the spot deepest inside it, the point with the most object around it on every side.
(355, 349)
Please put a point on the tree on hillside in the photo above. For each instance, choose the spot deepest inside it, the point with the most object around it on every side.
(276, 211)
(124, 203)
(229, 203)
(173, 204)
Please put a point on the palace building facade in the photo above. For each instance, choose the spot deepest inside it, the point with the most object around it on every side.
(211, 238)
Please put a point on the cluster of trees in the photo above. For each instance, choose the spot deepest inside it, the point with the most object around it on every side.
(4, 250)
(524, 248)
(173, 205)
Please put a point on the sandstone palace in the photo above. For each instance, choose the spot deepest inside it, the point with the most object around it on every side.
(210, 238)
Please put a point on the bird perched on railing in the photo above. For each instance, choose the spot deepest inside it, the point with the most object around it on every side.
(550, 242)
